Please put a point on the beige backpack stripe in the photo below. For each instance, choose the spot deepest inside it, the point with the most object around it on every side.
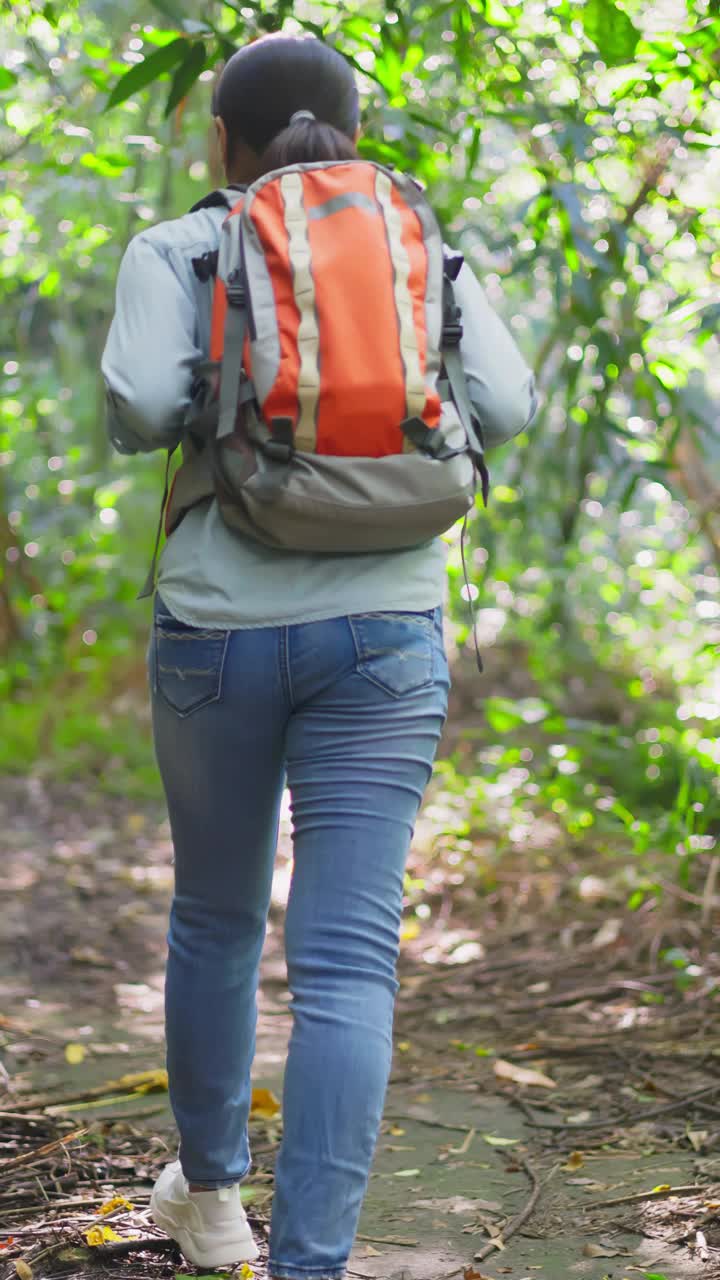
(414, 381)
(308, 339)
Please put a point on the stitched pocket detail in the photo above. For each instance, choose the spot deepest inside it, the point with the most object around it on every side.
(188, 663)
(395, 651)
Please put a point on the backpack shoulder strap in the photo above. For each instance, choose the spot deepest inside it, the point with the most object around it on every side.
(454, 370)
(223, 198)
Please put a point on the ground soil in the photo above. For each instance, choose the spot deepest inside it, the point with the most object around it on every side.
(514, 970)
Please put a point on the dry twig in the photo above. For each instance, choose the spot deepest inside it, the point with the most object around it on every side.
(642, 1196)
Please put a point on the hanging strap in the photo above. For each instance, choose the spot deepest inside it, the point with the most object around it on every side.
(452, 331)
(149, 586)
(455, 374)
(471, 607)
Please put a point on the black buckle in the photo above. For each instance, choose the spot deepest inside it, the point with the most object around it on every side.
(235, 289)
(277, 451)
(452, 333)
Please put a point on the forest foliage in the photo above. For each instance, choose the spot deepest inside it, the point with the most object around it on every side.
(572, 152)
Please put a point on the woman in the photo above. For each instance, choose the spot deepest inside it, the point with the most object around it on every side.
(325, 670)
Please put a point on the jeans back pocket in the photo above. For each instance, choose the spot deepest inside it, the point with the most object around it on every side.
(395, 651)
(188, 663)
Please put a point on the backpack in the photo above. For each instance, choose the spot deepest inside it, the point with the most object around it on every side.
(333, 414)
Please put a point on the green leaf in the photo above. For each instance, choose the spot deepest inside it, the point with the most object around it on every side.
(107, 163)
(159, 37)
(144, 73)
(497, 15)
(50, 284)
(186, 75)
(7, 79)
(667, 374)
(611, 31)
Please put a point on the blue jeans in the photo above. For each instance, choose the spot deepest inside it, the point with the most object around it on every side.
(349, 711)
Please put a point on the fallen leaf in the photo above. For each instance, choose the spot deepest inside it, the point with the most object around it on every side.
(396, 1132)
(145, 1081)
(99, 1235)
(578, 1117)
(492, 1141)
(406, 1173)
(464, 1147)
(134, 823)
(697, 1138)
(662, 1186)
(521, 1075)
(137, 1081)
(409, 931)
(604, 1251)
(403, 1046)
(74, 1053)
(608, 933)
(23, 1270)
(264, 1105)
(5, 1244)
(249, 1194)
(369, 1252)
(471, 1274)
(89, 955)
(117, 1202)
(460, 1204)
(574, 1161)
(423, 1097)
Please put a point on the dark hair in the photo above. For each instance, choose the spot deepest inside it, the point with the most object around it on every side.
(266, 82)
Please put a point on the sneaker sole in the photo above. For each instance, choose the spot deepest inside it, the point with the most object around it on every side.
(244, 1250)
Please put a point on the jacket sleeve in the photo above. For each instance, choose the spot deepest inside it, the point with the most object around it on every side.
(501, 386)
(150, 351)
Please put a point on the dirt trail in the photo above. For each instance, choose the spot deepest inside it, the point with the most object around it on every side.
(619, 1050)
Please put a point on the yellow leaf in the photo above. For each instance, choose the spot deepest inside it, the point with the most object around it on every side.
(99, 1235)
(117, 1202)
(575, 1160)
(403, 1046)
(23, 1270)
(396, 1132)
(134, 823)
(264, 1104)
(662, 1186)
(246, 1272)
(409, 931)
(141, 1081)
(521, 1075)
(74, 1053)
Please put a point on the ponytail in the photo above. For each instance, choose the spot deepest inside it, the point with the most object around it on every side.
(306, 140)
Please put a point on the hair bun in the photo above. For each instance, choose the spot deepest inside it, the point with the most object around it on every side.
(302, 115)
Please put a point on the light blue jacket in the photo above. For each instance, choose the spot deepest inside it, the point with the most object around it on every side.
(208, 575)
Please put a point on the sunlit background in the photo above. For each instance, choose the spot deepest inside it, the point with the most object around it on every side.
(573, 154)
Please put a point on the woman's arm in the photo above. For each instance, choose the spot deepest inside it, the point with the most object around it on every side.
(501, 386)
(151, 348)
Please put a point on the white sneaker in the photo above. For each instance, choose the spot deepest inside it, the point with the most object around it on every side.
(209, 1226)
